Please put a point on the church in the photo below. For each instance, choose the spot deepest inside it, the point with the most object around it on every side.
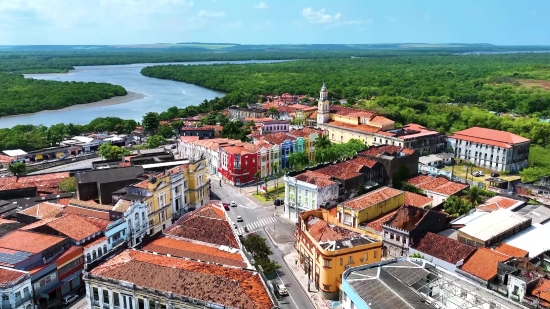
(344, 123)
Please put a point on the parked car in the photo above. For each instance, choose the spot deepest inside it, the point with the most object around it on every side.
(281, 290)
(69, 299)
(225, 206)
(278, 202)
(233, 204)
(495, 174)
(239, 219)
(481, 173)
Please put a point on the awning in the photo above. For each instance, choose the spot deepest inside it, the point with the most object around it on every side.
(44, 294)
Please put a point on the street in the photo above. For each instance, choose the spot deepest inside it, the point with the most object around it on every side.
(259, 218)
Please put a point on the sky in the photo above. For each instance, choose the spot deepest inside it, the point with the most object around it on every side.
(116, 22)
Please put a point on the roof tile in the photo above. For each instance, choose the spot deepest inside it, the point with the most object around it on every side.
(439, 185)
(318, 179)
(29, 241)
(511, 250)
(417, 200)
(372, 198)
(490, 137)
(483, 263)
(359, 127)
(8, 276)
(43, 210)
(74, 226)
(443, 248)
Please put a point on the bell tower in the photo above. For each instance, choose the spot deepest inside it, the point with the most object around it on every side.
(323, 106)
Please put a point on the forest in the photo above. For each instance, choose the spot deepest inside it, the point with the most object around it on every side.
(20, 95)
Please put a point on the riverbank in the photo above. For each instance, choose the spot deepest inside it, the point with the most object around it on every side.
(131, 96)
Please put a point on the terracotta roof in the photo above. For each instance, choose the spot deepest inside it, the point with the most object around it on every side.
(417, 200)
(190, 250)
(96, 242)
(498, 202)
(388, 150)
(511, 250)
(90, 204)
(542, 290)
(207, 224)
(189, 138)
(381, 120)
(313, 115)
(144, 184)
(363, 161)
(351, 112)
(483, 263)
(239, 150)
(490, 137)
(43, 183)
(322, 231)
(314, 178)
(29, 241)
(443, 248)
(231, 287)
(377, 223)
(43, 210)
(439, 185)
(8, 275)
(87, 212)
(277, 138)
(6, 159)
(342, 170)
(122, 205)
(372, 198)
(6, 221)
(70, 250)
(359, 127)
(39, 223)
(74, 227)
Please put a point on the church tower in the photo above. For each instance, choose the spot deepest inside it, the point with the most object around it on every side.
(323, 105)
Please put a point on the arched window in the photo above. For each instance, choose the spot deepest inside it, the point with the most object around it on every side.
(99, 252)
(104, 249)
(94, 255)
(88, 258)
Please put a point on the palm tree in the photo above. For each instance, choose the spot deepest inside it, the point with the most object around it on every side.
(265, 181)
(474, 195)
(273, 112)
(257, 176)
(322, 142)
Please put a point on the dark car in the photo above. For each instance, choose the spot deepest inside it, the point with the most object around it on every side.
(495, 174)
(278, 202)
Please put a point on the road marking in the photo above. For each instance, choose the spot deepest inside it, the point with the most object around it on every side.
(296, 306)
(257, 224)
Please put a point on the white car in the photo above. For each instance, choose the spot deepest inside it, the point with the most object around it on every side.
(233, 204)
(69, 299)
(239, 219)
(281, 289)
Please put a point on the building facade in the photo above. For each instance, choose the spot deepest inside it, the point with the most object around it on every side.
(413, 136)
(15, 289)
(491, 149)
(237, 165)
(327, 248)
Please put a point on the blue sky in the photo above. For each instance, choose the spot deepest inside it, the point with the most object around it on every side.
(502, 22)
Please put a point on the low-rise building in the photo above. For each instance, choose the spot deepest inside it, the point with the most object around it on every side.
(408, 224)
(432, 161)
(441, 251)
(203, 132)
(17, 187)
(413, 136)
(482, 265)
(236, 112)
(492, 228)
(531, 239)
(99, 185)
(16, 289)
(492, 149)
(500, 202)
(438, 188)
(394, 159)
(327, 248)
(415, 283)
(308, 191)
(238, 164)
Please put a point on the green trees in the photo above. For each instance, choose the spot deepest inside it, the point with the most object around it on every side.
(68, 185)
(165, 131)
(17, 168)
(298, 160)
(322, 142)
(257, 246)
(456, 206)
(150, 122)
(273, 112)
(327, 152)
(235, 130)
(21, 95)
(155, 141)
(111, 152)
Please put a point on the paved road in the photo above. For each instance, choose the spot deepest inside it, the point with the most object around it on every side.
(257, 218)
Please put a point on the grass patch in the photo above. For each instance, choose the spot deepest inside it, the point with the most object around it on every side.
(539, 164)
(272, 193)
(260, 197)
(460, 171)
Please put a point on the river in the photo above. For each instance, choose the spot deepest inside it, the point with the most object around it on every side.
(159, 94)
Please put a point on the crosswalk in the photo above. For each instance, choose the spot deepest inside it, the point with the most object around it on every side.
(256, 225)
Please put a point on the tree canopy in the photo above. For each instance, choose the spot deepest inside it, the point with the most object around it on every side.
(112, 152)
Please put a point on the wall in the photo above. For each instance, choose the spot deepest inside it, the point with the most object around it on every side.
(107, 188)
(373, 211)
(89, 251)
(87, 191)
(19, 286)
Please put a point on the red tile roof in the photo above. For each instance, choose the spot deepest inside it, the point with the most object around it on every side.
(388, 150)
(381, 120)
(90, 204)
(359, 127)
(190, 250)
(74, 227)
(342, 170)
(443, 248)
(8, 276)
(277, 138)
(313, 115)
(542, 290)
(322, 231)
(490, 137)
(511, 250)
(100, 214)
(417, 200)
(238, 150)
(483, 263)
(70, 250)
(29, 241)
(315, 178)
(377, 223)
(43, 182)
(206, 224)
(498, 202)
(372, 198)
(351, 112)
(189, 138)
(363, 161)
(6, 159)
(43, 210)
(96, 242)
(231, 287)
(439, 185)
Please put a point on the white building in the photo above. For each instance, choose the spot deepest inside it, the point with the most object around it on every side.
(15, 289)
(135, 213)
(492, 149)
(206, 148)
(179, 188)
(307, 191)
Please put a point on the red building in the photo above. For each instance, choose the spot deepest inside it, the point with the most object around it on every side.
(69, 269)
(238, 164)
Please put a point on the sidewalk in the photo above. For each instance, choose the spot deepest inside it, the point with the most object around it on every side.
(301, 277)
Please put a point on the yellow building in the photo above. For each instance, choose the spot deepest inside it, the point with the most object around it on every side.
(198, 184)
(369, 206)
(344, 123)
(157, 193)
(327, 248)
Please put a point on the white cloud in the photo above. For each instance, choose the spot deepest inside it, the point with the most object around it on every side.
(358, 22)
(261, 5)
(320, 17)
(210, 14)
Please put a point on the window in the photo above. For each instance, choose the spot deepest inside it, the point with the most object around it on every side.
(99, 252)
(17, 295)
(143, 216)
(352, 306)
(151, 304)
(26, 291)
(341, 261)
(150, 207)
(366, 257)
(350, 260)
(104, 249)
(94, 255)
(374, 254)
(327, 263)
(95, 293)
(136, 217)
(116, 300)
(106, 296)
(65, 269)
(88, 258)
(5, 297)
